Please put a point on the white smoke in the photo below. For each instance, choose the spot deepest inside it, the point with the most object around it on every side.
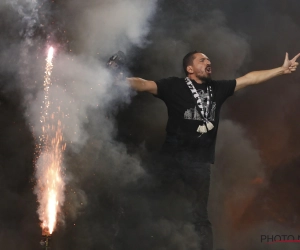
(28, 11)
(81, 83)
(107, 26)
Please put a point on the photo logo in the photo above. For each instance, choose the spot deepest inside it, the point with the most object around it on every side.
(271, 239)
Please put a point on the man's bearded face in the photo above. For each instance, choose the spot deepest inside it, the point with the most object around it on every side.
(202, 67)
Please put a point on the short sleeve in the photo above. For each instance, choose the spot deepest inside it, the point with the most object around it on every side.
(163, 87)
(224, 89)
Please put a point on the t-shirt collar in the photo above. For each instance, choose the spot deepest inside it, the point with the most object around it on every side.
(197, 84)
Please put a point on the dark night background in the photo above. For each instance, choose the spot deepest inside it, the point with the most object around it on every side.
(111, 202)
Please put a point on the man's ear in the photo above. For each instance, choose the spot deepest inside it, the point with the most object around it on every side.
(190, 69)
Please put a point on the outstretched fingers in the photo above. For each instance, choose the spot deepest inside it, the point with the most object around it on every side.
(295, 58)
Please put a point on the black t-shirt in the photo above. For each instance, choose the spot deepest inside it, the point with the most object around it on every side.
(184, 117)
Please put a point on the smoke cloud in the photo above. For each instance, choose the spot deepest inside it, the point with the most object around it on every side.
(111, 200)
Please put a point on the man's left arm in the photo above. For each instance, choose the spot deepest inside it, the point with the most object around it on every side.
(256, 77)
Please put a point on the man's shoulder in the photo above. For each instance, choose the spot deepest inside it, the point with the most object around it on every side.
(171, 79)
(166, 86)
(223, 87)
(221, 81)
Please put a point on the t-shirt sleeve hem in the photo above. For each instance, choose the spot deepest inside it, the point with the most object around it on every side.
(232, 88)
(158, 90)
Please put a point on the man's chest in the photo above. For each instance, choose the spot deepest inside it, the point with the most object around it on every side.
(182, 98)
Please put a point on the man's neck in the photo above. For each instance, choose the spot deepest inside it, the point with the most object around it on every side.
(192, 77)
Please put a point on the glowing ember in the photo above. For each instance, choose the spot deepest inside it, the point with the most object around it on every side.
(50, 184)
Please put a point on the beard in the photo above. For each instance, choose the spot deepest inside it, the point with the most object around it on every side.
(204, 78)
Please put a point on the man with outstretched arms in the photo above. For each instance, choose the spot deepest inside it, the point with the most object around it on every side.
(194, 105)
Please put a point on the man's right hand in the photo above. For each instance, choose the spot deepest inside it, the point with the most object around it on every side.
(142, 85)
(117, 65)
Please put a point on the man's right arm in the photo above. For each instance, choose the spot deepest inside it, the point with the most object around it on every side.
(142, 85)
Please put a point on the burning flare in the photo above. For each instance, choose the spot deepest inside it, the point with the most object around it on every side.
(50, 184)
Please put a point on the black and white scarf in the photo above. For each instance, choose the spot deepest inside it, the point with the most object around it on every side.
(207, 125)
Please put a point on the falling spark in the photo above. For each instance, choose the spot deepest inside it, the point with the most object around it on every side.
(50, 183)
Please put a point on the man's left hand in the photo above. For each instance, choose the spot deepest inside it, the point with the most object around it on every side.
(290, 65)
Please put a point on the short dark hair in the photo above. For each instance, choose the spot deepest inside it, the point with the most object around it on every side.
(188, 60)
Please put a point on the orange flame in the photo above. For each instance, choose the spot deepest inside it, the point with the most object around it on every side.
(50, 184)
